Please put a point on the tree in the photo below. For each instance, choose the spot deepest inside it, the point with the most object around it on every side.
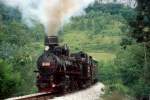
(9, 80)
(17, 42)
(141, 26)
(141, 33)
(131, 66)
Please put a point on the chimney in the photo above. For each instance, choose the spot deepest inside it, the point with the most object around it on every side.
(51, 41)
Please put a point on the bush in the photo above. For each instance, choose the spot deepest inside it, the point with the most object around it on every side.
(9, 80)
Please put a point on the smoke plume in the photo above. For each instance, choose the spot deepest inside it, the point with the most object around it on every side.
(52, 14)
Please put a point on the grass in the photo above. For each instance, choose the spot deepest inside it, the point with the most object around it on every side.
(103, 56)
(101, 47)
(102, 39)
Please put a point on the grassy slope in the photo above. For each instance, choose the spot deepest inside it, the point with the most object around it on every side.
(102, 48)
(100, 35)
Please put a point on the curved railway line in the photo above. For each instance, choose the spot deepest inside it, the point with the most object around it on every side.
(94, 92)
(36, 96)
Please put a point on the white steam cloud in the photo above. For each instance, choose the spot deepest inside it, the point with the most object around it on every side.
(52, 14)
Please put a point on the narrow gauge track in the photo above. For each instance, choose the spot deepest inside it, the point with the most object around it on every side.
(36, 96)
(45, 95)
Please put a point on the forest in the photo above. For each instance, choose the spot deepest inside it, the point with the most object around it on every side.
(117, 36)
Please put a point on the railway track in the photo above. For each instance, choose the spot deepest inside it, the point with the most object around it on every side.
(91, 93)
(36, 96)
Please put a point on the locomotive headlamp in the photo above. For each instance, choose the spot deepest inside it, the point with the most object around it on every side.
(46, 48)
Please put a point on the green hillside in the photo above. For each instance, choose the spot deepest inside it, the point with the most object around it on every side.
(100, 31)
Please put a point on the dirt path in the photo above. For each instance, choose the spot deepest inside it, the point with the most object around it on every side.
(92, 93)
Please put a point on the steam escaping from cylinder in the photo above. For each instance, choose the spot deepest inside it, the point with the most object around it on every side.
(52, 14)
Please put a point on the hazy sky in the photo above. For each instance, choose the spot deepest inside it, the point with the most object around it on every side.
(131, 3)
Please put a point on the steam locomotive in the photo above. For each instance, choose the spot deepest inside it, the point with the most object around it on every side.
(62, 71)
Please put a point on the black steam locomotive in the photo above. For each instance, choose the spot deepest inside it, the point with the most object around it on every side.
(60, 71)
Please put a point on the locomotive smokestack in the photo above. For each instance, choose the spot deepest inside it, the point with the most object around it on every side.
(51, 41)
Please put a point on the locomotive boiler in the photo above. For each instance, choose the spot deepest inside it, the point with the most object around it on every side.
(62, 71)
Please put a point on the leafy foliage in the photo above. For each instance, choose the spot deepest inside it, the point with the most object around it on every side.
(141, 26)
(17, 53)
(131, 66)
(9, 79)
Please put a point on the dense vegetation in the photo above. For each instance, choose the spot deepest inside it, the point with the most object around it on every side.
(104, 32)
(17, 60)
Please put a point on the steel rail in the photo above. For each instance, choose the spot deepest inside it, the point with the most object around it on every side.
(36, 96)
